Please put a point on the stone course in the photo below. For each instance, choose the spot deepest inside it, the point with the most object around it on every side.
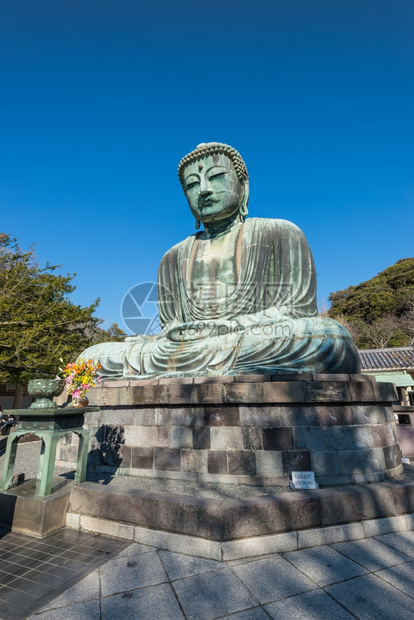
(239, 429)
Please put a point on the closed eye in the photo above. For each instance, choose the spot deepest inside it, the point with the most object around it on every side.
(218, 174)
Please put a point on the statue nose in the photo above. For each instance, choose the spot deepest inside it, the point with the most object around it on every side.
(205, 187)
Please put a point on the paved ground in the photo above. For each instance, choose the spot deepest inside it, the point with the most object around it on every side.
(79, 576)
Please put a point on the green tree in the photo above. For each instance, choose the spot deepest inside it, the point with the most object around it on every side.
(38, 322)
(379, 313)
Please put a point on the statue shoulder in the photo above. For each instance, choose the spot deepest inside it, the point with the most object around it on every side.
(178, 249)
(261, 224)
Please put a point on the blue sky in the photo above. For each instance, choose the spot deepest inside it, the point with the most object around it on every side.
(100, 99)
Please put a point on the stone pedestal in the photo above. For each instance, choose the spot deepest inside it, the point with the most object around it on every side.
(244, 429)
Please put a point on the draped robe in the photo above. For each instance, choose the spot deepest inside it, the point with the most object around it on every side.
(269, 304)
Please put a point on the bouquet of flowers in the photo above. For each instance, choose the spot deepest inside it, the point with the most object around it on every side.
(80, 376)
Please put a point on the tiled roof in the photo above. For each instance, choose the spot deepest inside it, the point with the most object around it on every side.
(387, 359)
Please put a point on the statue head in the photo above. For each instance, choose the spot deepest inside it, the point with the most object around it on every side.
(215, 181)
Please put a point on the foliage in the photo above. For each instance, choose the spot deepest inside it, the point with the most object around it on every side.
(379, 313)
(113, 334)
(38, 322)
(80, 376)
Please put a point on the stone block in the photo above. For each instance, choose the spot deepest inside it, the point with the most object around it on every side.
(195, 516)
(256, 546)
(179, 416)
(325, 463)
(144, 417)
(179, 543)
(143, 394)
(362, 392)
(366, 501)
(224, 415)
(305, 415)
(251, 378)
(252, 438)
(378, 436)
(261, 416)
(321, 391)
(72, 521)
(125, 455)
(222, 379)
(392, 456)
(309, 438)
(141, 436)
(330, 535)
(163, 437)
(386, 392)
(176, 381)
(217, 478)
(175, 394)
(181, 437)
(339, 479)
(258, 516)
(201, 438)
(208, 393)
(370, 414)
(226, 438)
(330, 377)
(242, 463)
(377, 527)
(340, 437)
(292, 377)
(243, 392)
(294, 460)
(335, 415)
(142, 458)
(284, 392)
(166, 458)
(403, 494)
(106, 527)
(217, 461)
(269, 464)
(361, 461)
(194, 461)
(277, 438)
(116, 504)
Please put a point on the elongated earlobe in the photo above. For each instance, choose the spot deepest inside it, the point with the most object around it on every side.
(197, 224)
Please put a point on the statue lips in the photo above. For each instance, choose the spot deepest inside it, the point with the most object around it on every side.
(206, 202)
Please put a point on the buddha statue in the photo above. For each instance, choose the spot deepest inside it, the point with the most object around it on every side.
(238, 297)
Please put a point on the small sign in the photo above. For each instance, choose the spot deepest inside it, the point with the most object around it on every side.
(303, 480)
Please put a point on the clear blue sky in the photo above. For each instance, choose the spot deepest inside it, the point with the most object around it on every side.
(100, 99)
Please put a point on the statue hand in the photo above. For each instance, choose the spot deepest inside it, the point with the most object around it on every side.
(200, 330)
(137, 338)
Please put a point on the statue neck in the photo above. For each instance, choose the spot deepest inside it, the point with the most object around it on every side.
(221, 227)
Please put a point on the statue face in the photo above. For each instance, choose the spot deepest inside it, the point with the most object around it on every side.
(213, 189)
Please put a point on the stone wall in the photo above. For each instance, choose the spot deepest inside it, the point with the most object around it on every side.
(245, 429)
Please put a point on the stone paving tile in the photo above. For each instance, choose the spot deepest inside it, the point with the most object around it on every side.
(401, 577)
(371, 553)
(371, 598)
(402, 541)
(155, 603)
(258, 613)
(212, 595)
(135, 549)
(324, 565)
(85, 590)
(128, 573)
(81, 611)
(179, 566)
(273, 578)
(36, 571)
(315, 605)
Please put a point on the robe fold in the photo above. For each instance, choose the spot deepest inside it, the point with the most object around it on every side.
(271, 307)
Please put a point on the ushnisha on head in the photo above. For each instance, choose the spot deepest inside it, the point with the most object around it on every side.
(215, 181)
